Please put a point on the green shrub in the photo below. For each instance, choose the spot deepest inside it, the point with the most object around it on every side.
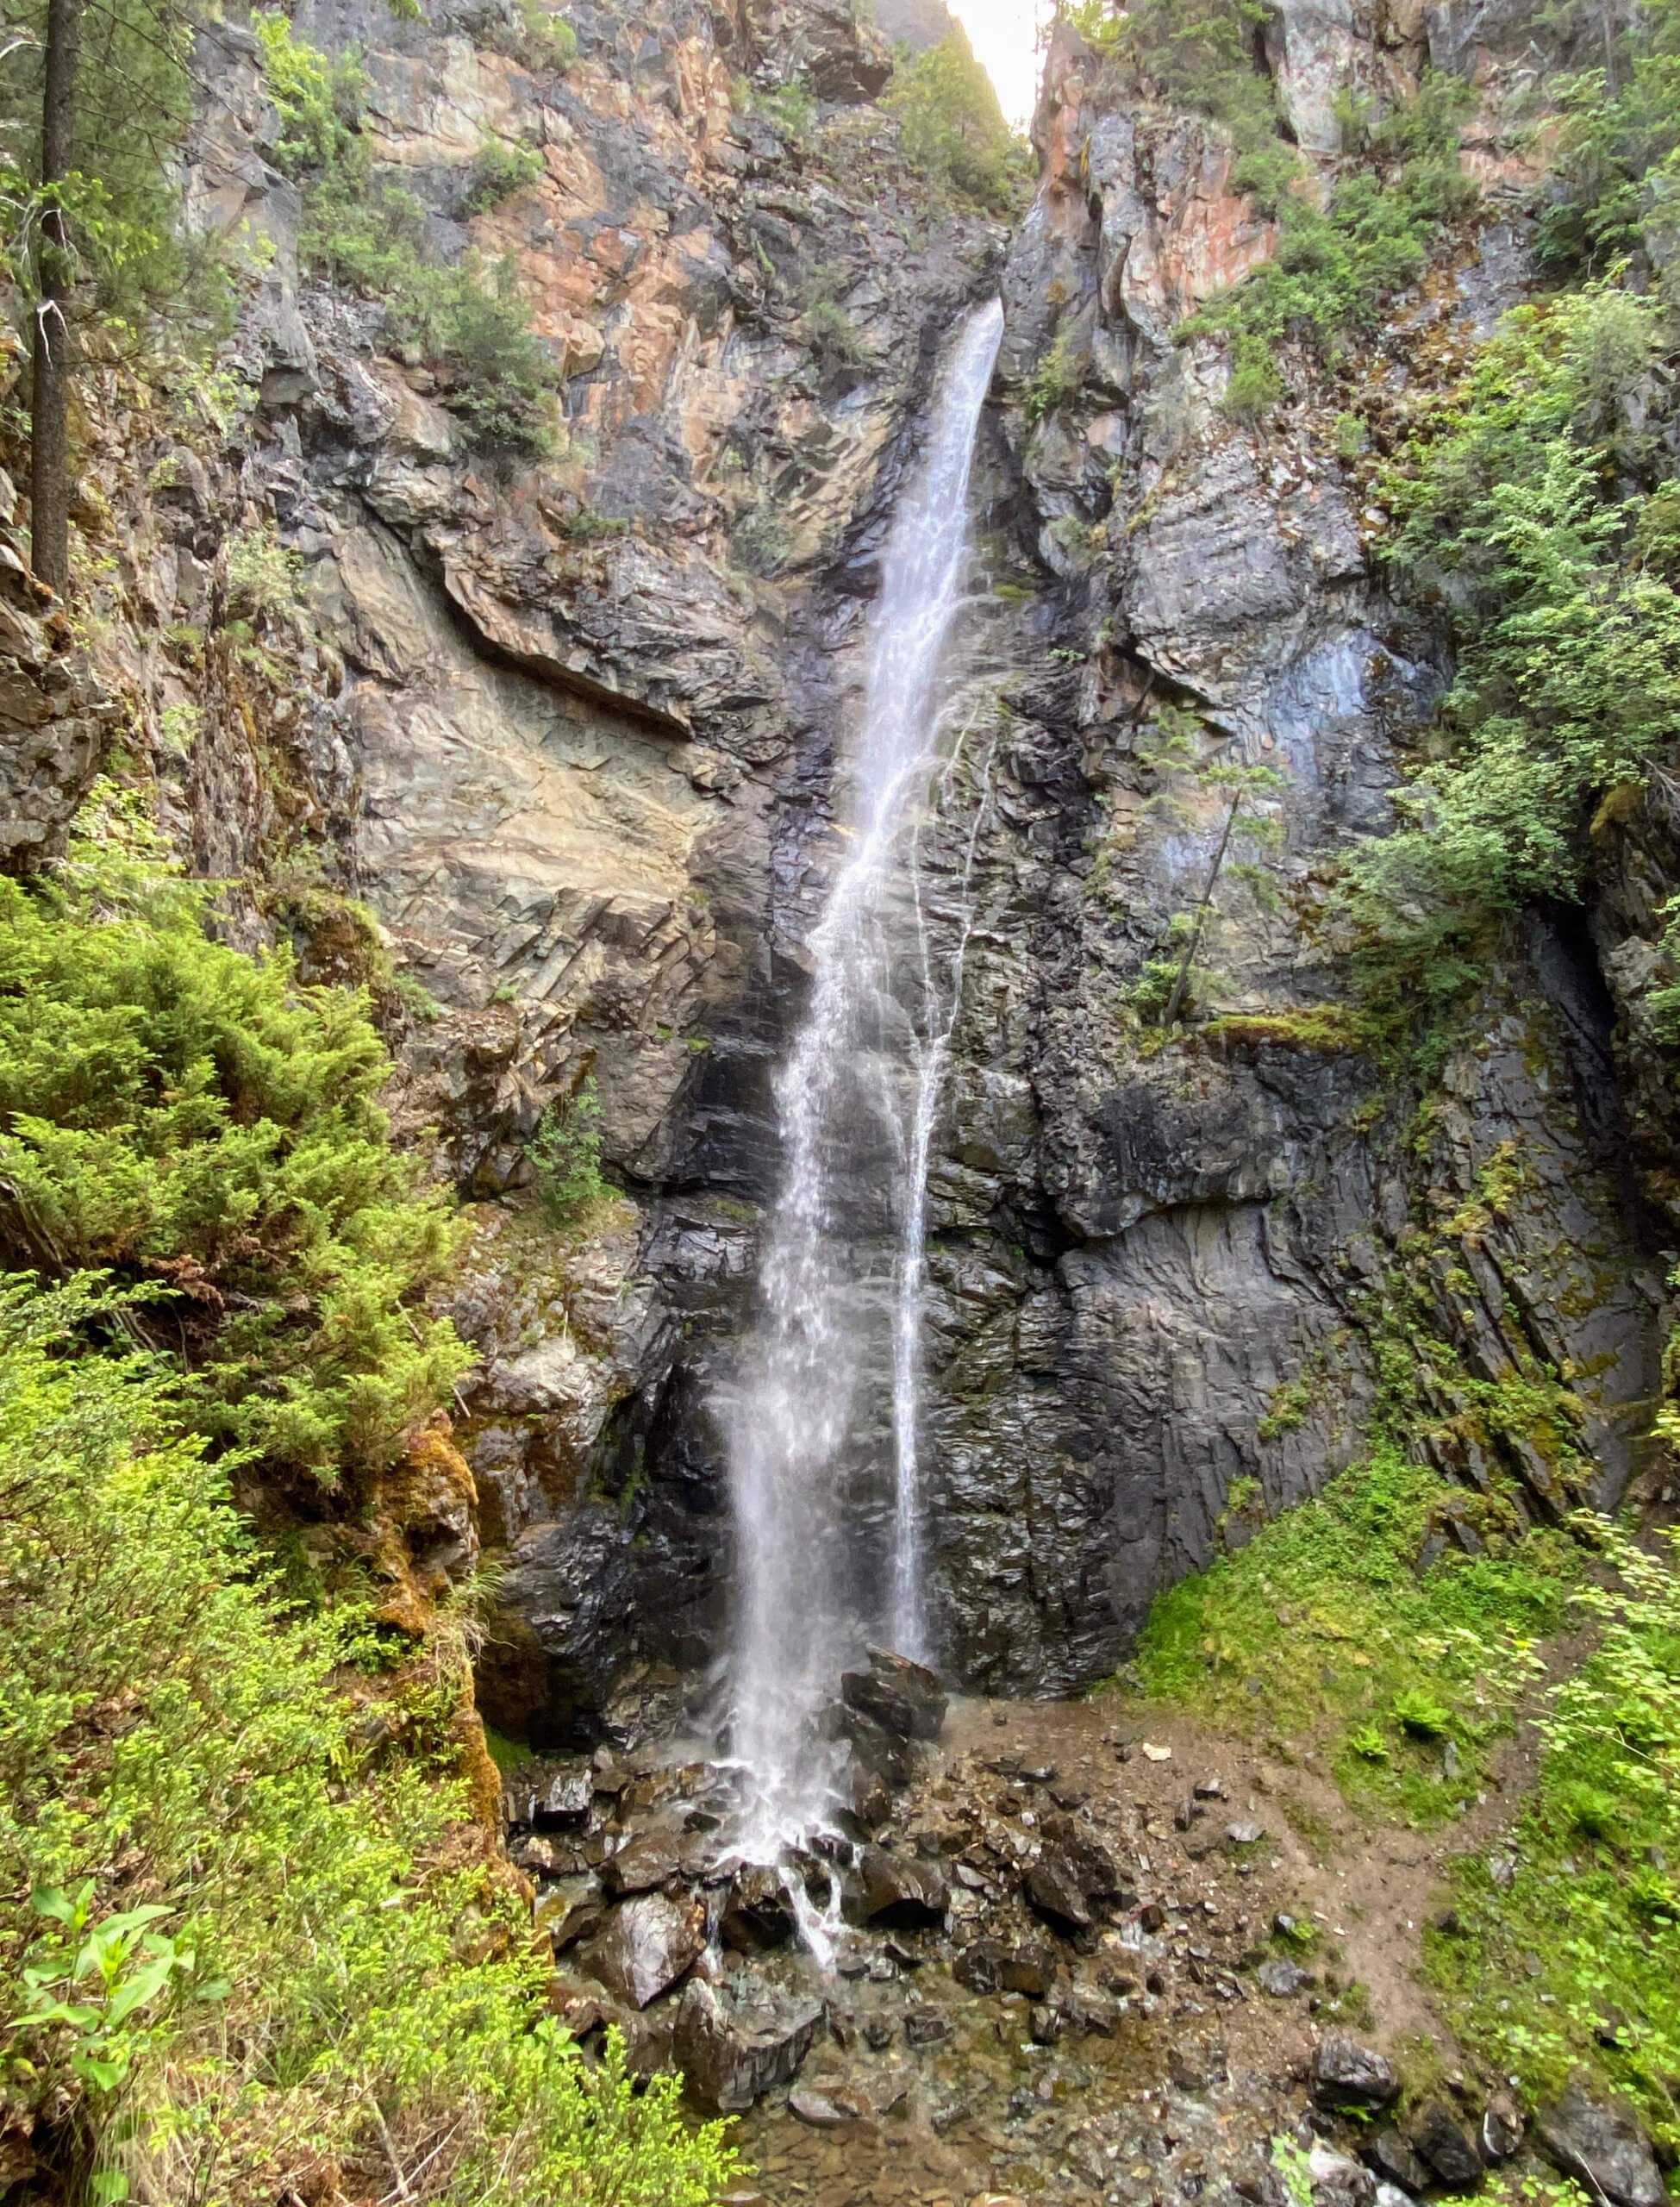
(262, 575)
(789, 107)
(466, 320)
(831, 335)
(501, 170)
(761, 540)
(1334, 264)
(1201, 57)
(953, 128)
(1514, 515)
(545, 40)
(566, 1158)
(258, 1946)
(1058, 376)
(174, 1110)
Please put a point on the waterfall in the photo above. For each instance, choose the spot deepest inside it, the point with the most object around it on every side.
(855, 1102)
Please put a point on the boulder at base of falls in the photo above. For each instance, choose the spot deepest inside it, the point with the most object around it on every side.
(757, 1912)
(903, 1697)
(1055, 1890)
(647, 1944)
(990, 1966)
(729, 2059)
(894, 1890)
(1603, 2146)
(642, 1863)
(1348, 2075)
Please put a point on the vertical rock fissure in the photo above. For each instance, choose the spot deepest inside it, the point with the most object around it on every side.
(849, 1099)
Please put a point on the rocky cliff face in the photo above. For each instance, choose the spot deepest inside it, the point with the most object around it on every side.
(568, 729)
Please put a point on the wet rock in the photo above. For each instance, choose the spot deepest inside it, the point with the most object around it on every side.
(1056, 1891)
(896, 1890)
(1092, 1864)
(757, 1912)
(1603, 2146)
(1444, 2144)
(646, 1944)
(903, 1697)
(1084, 2010)
(1388, 2155)
(1348, 2075)
(730, 2061)
(541, 1857)
(648, 1861)
(819, 2111)
(1501, 2132)
(569, 1911)
(1337, 2181)
(552, 1795)
(579, 2007)
(989, 1965)
(925, 2027)
(1045, 2024)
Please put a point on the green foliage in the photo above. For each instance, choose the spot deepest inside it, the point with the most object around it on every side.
(1201, 57)
(1327, 1611)
(466, 320)
(327, 1974)
(1194, 769)
(1335, 264)
(1572, 1964)
(262, 575)
(141, 279)
(176, 1111)
(789, 107)
(1513, 513)
(502, 168)
(1617, 152)
(831, 335)
(761, 540)
(1058, 376)
(952, 129)
(545, 40)
(1294, 2170)
(565, 1158)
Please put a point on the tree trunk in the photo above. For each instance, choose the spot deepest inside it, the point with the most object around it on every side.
(49, 438)
(1182, 977)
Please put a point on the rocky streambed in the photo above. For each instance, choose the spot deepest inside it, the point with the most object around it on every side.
(1069, 1957)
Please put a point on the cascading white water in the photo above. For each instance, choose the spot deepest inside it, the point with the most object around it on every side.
(801, 1608)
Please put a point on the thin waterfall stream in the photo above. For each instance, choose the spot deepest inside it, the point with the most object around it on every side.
(856, 1102)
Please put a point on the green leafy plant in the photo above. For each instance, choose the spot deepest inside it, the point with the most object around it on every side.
(545, 40)
(1058, 376)
(566, 1158)
(502, 168)
(174, 1110)
(1294, 2169)
(1418, 1712)
(953, 131)
(333, 1963)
